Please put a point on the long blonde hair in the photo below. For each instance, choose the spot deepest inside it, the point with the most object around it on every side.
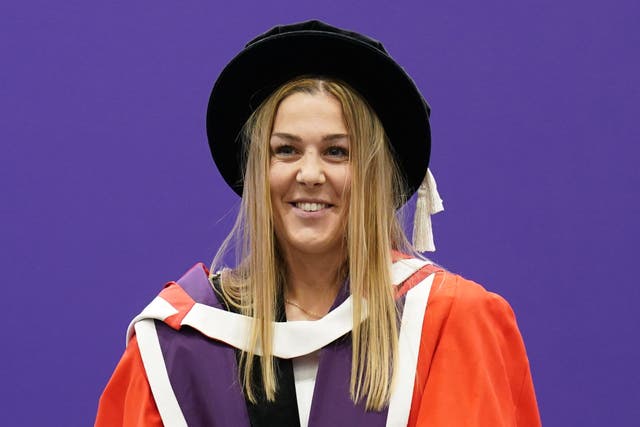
(372, 229)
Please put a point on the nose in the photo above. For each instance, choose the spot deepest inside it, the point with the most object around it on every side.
(311, 170)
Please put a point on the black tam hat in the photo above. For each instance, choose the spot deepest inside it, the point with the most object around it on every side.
(316, 48)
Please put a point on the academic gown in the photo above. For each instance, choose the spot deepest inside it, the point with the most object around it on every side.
(462, 360)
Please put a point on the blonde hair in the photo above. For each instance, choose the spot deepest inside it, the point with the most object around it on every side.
(372, 230)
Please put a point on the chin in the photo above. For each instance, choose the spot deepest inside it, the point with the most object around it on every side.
(312, 246)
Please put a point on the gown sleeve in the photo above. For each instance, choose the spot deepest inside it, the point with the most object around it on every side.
(127, 400)
(473, 368)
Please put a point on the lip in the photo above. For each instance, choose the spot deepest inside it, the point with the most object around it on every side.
(307, 214)
(320, 201)
(310, 215)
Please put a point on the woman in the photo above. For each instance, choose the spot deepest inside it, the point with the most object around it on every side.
(324, 320)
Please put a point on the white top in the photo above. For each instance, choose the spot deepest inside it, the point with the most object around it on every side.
(305, 369)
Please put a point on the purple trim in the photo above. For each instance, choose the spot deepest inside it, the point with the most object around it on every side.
(332, 405)
(196, 283)
(203, 372)
(203, 375)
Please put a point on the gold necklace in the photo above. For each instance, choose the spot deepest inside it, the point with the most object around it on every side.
(307, 312)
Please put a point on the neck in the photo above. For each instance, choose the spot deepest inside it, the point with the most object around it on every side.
(313, 281)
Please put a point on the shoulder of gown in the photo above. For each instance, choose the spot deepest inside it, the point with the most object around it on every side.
(472, 366)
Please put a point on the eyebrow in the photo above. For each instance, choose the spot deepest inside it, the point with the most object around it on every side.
(295, 138)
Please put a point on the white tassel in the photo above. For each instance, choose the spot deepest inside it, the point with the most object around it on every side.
(435, 202)
(427, 204)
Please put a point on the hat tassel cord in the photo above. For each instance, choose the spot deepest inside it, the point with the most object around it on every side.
(428, 203)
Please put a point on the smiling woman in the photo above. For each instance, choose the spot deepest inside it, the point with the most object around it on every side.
(316, 143)
(310, 176)
(323, 320)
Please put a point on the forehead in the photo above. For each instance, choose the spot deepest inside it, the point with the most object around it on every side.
(303, 114)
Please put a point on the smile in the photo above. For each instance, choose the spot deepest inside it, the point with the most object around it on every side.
(311, 207)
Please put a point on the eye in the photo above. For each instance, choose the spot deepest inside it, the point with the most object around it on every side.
(283, 150)
(337, 152)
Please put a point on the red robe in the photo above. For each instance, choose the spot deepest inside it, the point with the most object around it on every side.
(472, 366)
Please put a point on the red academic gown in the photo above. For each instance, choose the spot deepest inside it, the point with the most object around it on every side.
(472, 365)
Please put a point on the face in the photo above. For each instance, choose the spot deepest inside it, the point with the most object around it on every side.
(310, 174)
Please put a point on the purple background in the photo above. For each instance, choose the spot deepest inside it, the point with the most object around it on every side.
(108, 190)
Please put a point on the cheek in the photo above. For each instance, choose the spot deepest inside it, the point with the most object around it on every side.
(276, 180)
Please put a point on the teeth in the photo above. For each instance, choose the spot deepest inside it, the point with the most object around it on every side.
(311, 207)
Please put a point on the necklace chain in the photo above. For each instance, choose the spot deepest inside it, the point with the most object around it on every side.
(305, 311)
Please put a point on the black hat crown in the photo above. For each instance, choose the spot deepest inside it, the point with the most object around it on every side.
(315, 25)
(315, 48)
